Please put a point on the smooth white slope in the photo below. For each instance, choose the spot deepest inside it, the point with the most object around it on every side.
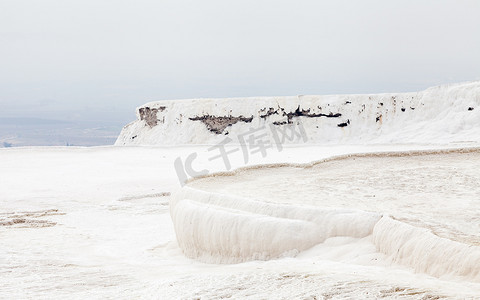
(426, 252)
(449, 113)
(220, 228)
(262, 213)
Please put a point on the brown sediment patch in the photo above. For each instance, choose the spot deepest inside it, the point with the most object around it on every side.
(217, 124)
(149, 115)
(29, 219)
(137, 197)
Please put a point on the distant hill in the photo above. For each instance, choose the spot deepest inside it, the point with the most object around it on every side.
(30, 121)
(448, 113)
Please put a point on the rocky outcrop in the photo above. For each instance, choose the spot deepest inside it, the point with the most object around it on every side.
(218, 124)
(149, 115)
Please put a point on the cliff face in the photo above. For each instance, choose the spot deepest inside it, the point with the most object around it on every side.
(441, 114)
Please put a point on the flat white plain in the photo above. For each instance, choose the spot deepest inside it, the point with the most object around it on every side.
(78, 222)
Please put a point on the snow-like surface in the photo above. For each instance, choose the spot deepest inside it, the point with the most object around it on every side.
(443, 114)
(309, 220)
(429, 204)
(77, 223)
(221, 228)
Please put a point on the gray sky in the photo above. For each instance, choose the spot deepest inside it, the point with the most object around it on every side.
(96, 56)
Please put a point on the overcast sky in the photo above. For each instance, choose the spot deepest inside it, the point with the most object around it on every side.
(95, 56)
